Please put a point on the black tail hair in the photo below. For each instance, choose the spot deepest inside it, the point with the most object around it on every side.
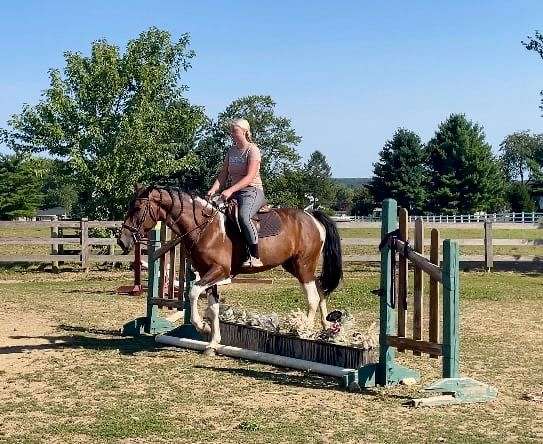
(332, 266)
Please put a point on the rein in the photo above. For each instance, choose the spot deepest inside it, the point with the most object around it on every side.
(209, 218)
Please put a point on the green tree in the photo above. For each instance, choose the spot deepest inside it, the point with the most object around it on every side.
(59, 188)
(464, 175)
(273, 134)
(401, 171)
(519, 197)
(363, 202)
(116, 118)
(318, 179)
(343, 198)
(521, 156)
(535, 44)
(21, 181)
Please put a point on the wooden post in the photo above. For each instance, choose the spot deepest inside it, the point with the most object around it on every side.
(171, 274)
(153, 278)
(387, 313)
(433, 312)
(84, 243)
(54, 247)
(402, 276)
(451, 310)
(418, 285)
(162, 261)
(489, 251)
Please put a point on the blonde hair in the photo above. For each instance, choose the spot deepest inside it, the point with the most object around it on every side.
(244, 125)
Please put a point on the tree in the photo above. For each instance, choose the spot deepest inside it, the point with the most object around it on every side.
(519, 197)
(273, 134)
(117, 118)
(401, 171)
(520, 154)
(464, 175)
(59, 188)
(343, 198)
(21, 180)
(535, 44)
(318, 179)
(363, 203)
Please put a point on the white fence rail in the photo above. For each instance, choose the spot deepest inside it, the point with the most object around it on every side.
(521, 218)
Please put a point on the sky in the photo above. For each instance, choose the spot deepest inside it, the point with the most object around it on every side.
(347, 73)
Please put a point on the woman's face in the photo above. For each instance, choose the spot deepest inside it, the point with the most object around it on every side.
(238, 134)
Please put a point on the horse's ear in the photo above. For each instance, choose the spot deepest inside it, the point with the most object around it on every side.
(138, 188)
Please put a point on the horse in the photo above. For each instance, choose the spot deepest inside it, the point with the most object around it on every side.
(217, 248)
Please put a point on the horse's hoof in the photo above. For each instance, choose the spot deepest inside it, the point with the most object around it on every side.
(208, 352)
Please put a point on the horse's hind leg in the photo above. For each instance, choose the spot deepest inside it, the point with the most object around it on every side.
(313, 299)
(322, 307)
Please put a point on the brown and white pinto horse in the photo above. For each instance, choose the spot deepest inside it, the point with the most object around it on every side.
(217, 248)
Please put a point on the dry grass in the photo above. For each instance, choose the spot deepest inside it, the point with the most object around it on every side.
(67, 377)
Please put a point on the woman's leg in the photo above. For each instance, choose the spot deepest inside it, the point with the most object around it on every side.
(250, 200)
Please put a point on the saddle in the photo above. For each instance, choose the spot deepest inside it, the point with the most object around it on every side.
(266, 220)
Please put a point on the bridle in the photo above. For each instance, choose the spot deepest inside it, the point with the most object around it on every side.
(136, 230)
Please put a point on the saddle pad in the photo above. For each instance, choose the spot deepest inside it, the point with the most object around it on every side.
(268, 224)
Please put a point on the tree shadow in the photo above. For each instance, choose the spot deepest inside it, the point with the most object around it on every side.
(126, 345)
(305, 380)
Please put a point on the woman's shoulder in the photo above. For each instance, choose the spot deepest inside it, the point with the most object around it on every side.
(253, 148)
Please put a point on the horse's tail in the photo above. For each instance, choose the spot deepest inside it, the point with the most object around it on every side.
(332, 265)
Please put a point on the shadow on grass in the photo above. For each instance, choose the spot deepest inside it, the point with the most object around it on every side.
(306, 380)
(124, 344)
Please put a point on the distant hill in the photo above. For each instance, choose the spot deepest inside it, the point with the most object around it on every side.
(352, 182)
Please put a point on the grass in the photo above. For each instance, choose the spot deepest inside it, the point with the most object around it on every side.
(67, 376)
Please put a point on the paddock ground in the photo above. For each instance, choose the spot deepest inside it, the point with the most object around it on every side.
(66, 376)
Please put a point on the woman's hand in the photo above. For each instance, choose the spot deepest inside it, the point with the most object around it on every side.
(226, 194)
(210, 192)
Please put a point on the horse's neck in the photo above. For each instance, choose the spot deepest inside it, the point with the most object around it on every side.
(186, 222)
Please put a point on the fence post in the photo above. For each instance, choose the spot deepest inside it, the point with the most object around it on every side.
(418, 284)
(489, 253)
(84, 243)
(54, 247)
(433, 303)
(389, 220)
(451, 309)
(402, 276)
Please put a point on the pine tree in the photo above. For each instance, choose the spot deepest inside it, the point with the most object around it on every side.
(318, 179)
(464, 174)
(401, 172)
(21, 179)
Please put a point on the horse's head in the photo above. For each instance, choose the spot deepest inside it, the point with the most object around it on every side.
(143, 214)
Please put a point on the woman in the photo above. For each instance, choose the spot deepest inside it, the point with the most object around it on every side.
(241, 174)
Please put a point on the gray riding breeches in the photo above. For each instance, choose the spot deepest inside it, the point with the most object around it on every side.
(250, 200)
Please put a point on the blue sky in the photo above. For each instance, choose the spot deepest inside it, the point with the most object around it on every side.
(346, 73)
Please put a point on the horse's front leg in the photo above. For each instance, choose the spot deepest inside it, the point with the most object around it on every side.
(213, 275)
(213, 316)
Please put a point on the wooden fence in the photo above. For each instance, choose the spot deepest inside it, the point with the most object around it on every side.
(487, 257)
(84, 247)
(59, 238)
